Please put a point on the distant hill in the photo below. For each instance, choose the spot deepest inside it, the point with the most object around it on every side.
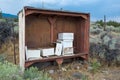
(6, 15)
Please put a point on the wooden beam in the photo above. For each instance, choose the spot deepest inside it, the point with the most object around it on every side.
(52, 21)
(46, 12)
(77, 55)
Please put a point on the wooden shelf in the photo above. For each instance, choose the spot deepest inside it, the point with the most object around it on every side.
(53, 58)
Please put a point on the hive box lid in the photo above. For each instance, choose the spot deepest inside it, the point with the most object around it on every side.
(66, 36)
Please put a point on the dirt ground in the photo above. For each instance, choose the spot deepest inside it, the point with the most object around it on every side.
(70, 71)
(78, 71)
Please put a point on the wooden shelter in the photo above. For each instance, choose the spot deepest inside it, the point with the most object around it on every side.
(39, 28)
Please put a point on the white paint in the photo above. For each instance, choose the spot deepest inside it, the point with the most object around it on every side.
(32, 54)
(22, 39)
(67, 51)
(66, 43)
(58, 49)
(66, 36)
(47, 52)
(67, 47)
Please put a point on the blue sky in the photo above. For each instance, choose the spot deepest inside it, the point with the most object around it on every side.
(97, 8)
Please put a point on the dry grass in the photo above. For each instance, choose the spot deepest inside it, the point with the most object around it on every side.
(7, 50)
(67, 70)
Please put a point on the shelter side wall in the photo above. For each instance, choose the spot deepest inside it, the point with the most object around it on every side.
(22, 39)
(37, 32)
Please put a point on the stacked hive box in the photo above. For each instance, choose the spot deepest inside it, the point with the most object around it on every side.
(66, 39)
(64, 46)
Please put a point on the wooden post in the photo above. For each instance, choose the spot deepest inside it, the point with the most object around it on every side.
(14, 45)
(52, 21)
(22, 39)
(59, 62)
(104, 22)
(42, 4)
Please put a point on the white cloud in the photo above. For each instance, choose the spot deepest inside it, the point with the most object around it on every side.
(115, 18)
(109, 8)
(112, 18)
(63, 2)
(11, 6)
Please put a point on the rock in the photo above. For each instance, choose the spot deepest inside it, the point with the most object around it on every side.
(90, 68)
(63, 69)
(60, 78)
(105, 72)
(51, 71)
(77, 75)
(103, 79)
(78, 67)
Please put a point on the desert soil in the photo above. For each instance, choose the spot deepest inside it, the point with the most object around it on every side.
(78, 71)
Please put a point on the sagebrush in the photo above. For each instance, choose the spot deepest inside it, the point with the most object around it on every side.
(9, 71)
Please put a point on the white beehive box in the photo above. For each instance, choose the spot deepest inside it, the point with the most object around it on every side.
(47, 52)
(66, 36)
(58, 49)
(66, 43)
(67, 51)
(67, 47)
(32, 54)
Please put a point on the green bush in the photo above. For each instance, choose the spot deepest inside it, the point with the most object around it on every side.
(95, 66)
(101, 23)
(109, 23)
(33, 74)
(5, 31)
(2, 58)
(9, 71)
(84, 77)
(113, 23)
(0, 14)
(117, 29)
(110, 28)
